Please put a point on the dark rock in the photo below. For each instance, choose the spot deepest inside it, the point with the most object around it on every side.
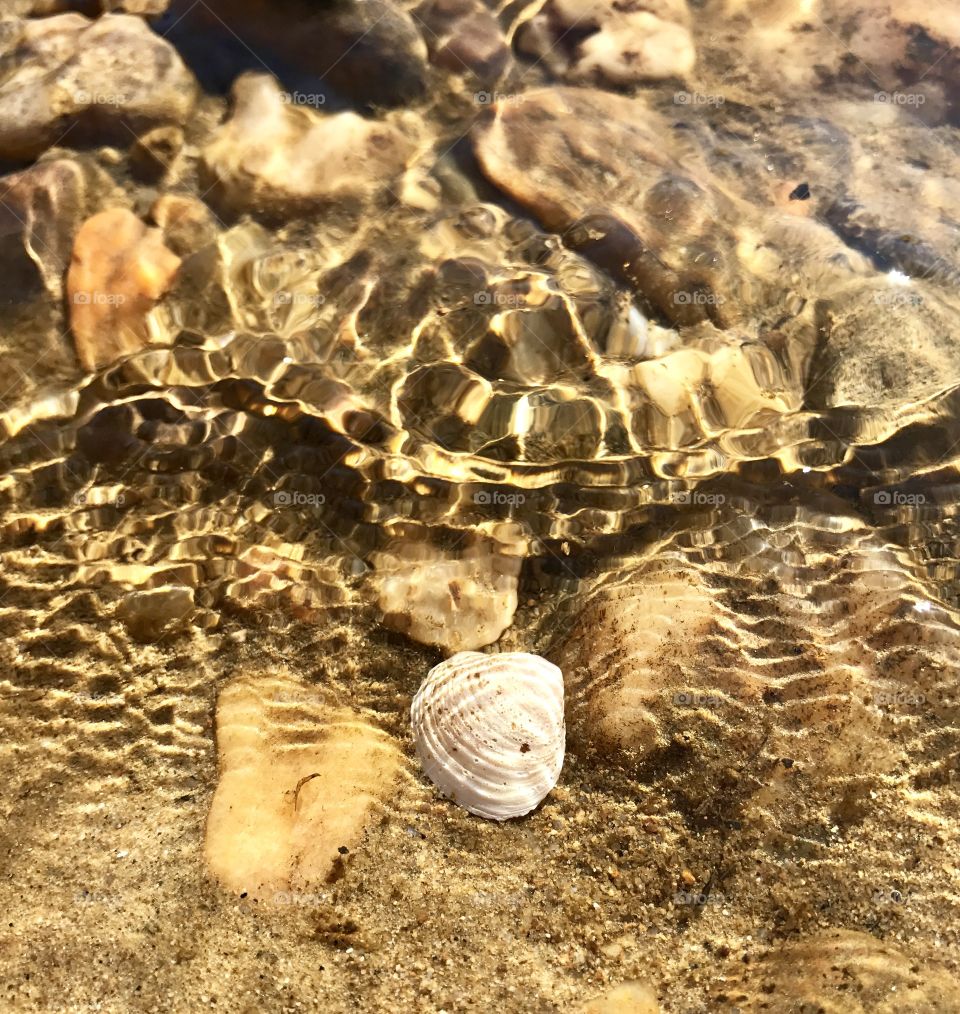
(149, 614)
(369, 51)
(464, 37)
(40, 210)
(153, 154)
(613, 43)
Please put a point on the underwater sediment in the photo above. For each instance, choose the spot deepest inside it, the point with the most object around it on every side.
(339, 340)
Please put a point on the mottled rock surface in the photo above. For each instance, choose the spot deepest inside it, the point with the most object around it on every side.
(457, 601)
(614, 43)
(624, 185)
(288, 808)
(99, 80)
(151, 613)
(275, 157)
(464, 37)
(118, 271)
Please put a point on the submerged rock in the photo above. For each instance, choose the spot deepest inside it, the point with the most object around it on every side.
(620, 44)
(149, 614)
(40, 210)
(624, 186)
(299, 778)
(614, 658)
(857, 363)
(95, 80)
(187, 224)
(464, 37)
(651, 666)
(276, 158)
(367, 50)
(119, 269)
(457, 600)
(154, 154)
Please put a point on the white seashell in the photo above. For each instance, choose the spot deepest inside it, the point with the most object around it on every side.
(490, 731)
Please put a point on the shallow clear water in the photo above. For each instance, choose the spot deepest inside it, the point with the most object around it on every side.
(655, 378)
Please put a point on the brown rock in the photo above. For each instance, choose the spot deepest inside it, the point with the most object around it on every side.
(153, 154)
(456, 601)
(187, 224)
(464, 37)
(148, 614)
(369, 50)
(609, 172)
(119, 269)
(98, 80)
(662, 617)
(611, 145)
(617, 43)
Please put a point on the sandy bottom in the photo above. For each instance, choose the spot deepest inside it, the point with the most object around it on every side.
(629, 872)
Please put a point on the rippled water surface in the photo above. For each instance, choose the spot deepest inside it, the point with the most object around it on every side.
(341, 338)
